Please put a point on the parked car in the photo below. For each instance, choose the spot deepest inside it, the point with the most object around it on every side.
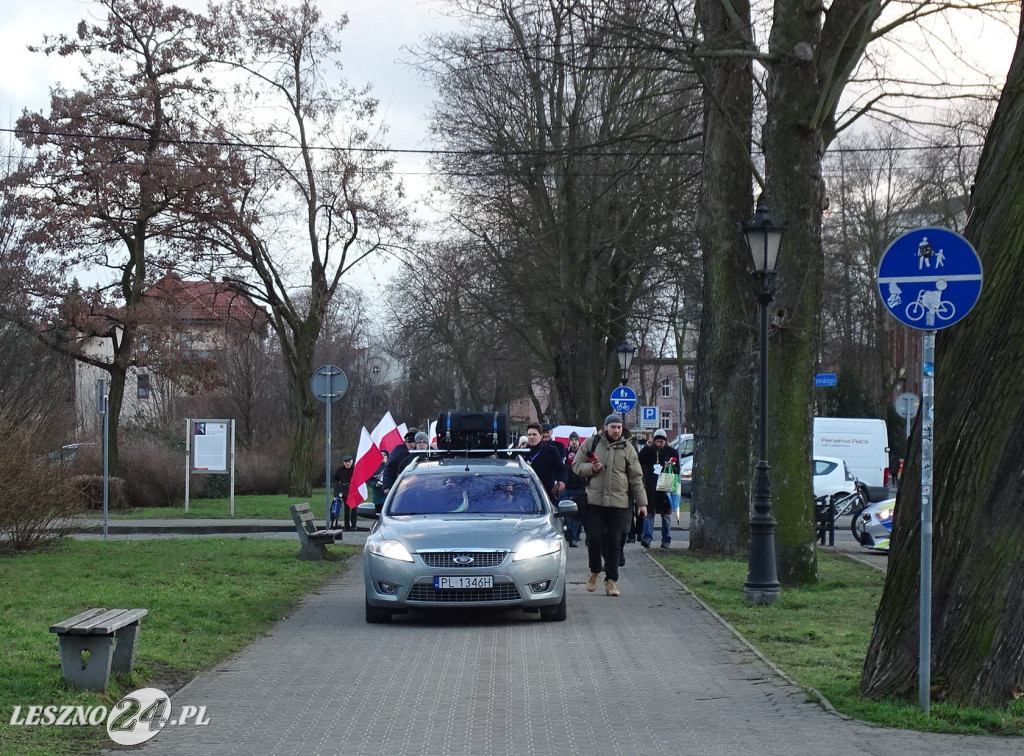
(832, 476)
(458, 532)
(873, 527)
(686, 475)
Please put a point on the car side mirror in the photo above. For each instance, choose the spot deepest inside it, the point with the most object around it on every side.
(566, 507)
(367, 510)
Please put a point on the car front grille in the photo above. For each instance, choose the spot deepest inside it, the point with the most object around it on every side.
(447, 558)
(430, 594)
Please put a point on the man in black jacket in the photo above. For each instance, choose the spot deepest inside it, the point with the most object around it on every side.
(656, 456)
(342, 484)
(545, 461)
(398, 458)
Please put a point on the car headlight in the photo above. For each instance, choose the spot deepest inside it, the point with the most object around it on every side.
(537, 547)
(389, 550)
(884, 514)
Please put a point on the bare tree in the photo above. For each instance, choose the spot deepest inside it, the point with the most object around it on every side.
(114, 166)
(316, 194)
(570, 163)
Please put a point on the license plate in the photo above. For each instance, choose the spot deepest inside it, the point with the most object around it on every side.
(463, 581)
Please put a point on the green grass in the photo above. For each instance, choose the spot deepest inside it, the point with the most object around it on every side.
(819, 634)
(207, 598)
(246, 507)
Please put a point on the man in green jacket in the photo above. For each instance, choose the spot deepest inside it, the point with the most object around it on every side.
(609, 465)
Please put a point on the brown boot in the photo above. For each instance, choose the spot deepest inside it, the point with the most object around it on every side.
(610, 588)
(592, 581)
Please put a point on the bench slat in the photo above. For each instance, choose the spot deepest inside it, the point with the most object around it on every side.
(127, 617)
(306, 516)
(99, 622)
(300, 507)
(326, 533)
(88, 614)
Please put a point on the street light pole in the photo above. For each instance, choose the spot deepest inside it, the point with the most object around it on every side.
(763, 237)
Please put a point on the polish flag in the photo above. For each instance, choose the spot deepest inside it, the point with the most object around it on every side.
(386, 435)
(367, 462)
(432, 434)
(403, 429)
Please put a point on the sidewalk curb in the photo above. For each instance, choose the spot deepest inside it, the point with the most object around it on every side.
(825, 704)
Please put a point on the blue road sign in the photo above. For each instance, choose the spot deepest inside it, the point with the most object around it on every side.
(929, 278)
(826, 379)
(623, 399)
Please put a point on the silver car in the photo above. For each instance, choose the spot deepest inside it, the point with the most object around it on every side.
(463, 532)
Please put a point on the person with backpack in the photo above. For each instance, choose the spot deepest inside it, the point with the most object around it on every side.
(608, 463)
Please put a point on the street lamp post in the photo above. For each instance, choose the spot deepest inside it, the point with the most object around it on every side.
(763, 237)
(626, 353)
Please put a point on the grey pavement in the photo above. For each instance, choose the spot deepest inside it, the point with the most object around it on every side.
(650, 672)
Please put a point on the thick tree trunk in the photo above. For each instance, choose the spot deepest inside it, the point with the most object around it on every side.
(978, 533)
(796, 194)
(724, 398)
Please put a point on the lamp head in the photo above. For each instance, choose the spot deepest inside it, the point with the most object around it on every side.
(763, 236)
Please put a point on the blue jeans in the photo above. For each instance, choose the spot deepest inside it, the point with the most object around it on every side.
(666, 528)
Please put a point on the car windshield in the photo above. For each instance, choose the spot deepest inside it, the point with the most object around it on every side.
(465, 494)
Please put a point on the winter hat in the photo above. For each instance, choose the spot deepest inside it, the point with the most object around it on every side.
(613, 418)
(421, 438)
(348, 458)
(573, 435)
(660, 433)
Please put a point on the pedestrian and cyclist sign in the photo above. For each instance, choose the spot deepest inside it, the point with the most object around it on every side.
(623, 399)
(929, 278)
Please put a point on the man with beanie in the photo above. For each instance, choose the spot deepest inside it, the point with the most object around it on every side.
(609, 464)
(656, 456)
(342, 484)
(576, 490)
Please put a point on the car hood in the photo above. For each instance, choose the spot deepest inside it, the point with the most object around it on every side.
(497, 532)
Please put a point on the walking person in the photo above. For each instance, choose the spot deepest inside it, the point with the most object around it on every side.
(655, 457)
(342, 483)
(545, 461)
(609, 464)
(575, 489)
(400, 458)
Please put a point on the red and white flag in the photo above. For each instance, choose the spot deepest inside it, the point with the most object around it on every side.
(386, 435)
(367, 462)
(432, 434)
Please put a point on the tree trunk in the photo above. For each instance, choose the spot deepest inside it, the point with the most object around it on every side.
(298, 361)
(796, 195)
(978, 532)
(724, 401)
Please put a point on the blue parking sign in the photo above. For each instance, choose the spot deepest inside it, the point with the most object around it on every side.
(929, 278)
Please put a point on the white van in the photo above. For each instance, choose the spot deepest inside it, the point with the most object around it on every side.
(863, 443)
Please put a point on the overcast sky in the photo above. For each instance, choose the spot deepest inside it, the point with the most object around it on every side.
(372, 43)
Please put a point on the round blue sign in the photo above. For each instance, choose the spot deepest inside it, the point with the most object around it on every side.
(929, 278)
(623, 399)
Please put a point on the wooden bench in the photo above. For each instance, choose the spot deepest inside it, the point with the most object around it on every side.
(312, 538)
(107, 636)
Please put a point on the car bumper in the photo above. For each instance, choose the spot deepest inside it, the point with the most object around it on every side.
(401, 586)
